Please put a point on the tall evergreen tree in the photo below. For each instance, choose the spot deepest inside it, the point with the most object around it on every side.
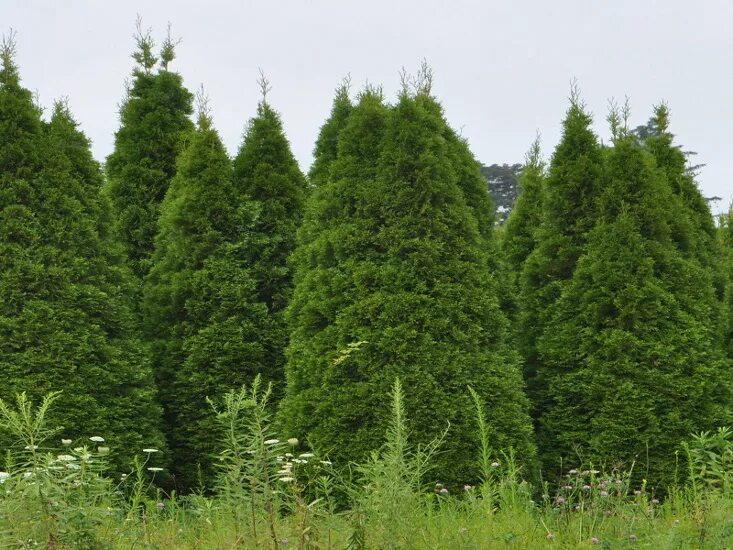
(392, 281)
(631, 362)
(327, 143)
(725, 231)
(518, 238)
(66, 321)
(568, 212)
(267, 174)
(154, 120)
(201, 306)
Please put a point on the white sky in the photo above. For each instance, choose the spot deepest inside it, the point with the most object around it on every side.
(502, 68)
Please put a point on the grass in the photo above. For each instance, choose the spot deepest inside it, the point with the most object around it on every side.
(276, 494)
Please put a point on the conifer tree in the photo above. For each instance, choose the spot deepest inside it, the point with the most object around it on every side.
(154, 118)
(209, 329)
(630, 360)
(725, 231)
(519, 239)
(568, 213)
(327, 143)
(66, 321)
(392, 281)
(267, 175)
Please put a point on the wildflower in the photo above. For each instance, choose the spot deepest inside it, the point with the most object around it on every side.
(594, 540)
(560, 500)
(550, 536)
(96, 439)
(655, 501)
(307, 455)
(66, 441)
(467, 487)
(293, 441)
(103, 450)
(637, 493)
(287, 479)
(31, 447)
(568, 487)
(288, 455)
(148, 451)
(154, 469)
(632, 538)
(586, 487)
(72, 466)
(573, 472)
(444, 491)
(326, 462)
(272, 441)
(66, 458)
(462, 531)
(4, 476)
(577, 508)
(160, 505)
(438, 487)
(494, 464)
(604, 493)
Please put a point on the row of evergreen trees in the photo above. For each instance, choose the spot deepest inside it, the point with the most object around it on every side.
(602, 312)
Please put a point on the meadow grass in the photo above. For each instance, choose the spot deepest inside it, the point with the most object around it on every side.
(275, 493)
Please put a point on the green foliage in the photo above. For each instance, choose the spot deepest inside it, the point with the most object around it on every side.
(518, 237)
(326, 148)
(201, 308)
(66, 321)
(630, 358)
(154, 120)
(267, 174)
(572, 182)
(725, 238)
(391, 255)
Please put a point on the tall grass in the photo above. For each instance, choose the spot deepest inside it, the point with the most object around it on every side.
(274, 492)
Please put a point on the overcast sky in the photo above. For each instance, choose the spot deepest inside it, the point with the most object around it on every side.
(501, 68)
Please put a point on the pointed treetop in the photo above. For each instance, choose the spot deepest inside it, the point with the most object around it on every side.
(417, 85)
(614, 120)
(371, 91)
(168, 49)
(575, 101)
(660, 119)
(203, 110)
(9, 70)
(423, 82)
(264, 85)
(533, 157)
(145, 44)
(343, 89)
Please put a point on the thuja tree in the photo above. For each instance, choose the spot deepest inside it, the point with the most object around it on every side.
(631, 363)
(725, 232)
(519, 239)
(568, 213)
(201, 307)
(327, 142)
(392, 281)
(267, 175)
(154, 119)
(66, 322)
(694, 233)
